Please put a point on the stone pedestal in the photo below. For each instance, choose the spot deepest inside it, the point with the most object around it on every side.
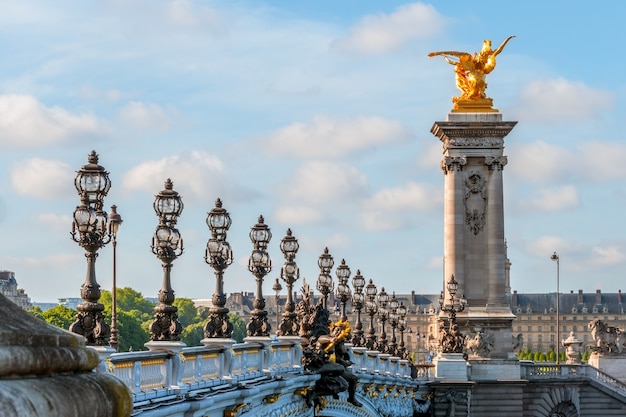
(450, 366)
(474, 240)
(614, 365)
(48, 372)
(494, 369)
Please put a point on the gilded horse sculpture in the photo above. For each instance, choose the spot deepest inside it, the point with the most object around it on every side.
(470, 71)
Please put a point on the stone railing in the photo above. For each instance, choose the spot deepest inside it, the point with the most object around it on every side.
(534, 372)
(154, 376)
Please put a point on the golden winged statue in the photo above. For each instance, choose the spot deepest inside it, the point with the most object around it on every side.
(470, 71)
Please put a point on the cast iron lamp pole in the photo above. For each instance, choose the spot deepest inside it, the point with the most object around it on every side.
(371, 308)
(343, 288)
(555, 257)
(90, 230)
(277, 288)
(324, 280)
(383, 315)
(452, 339)
(290, 273)
(115, 220)
(393, 320)
(219, 256)
(358, 282)
(402, 352)
(167, 245)
(260, 265)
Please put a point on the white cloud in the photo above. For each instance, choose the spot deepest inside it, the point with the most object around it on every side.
(184, 13)
(55, 222)
(395, 208)
(540, 161)
(42, 178)
(387, 32)
(602, 160)
(545, 246)
(25, 122)
(320, 182)
(553, 199)
(144, 116)
(297, 215)
(560, 100)
(331, 137)
(195, 175)
(608, 255)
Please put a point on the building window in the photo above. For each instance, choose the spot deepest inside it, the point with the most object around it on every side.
(519, 329)
(530, 329)
(539, 329)
(552, 329)
(565, 329)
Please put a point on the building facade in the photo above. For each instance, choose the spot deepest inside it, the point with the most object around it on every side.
(534, 324)
(9, 288)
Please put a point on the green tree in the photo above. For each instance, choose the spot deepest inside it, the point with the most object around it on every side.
(192, 334)
(239, 327)
(59, 316)
(187, 312)
(37, 312)
(585, 356)
(131, 330)
(127, 299)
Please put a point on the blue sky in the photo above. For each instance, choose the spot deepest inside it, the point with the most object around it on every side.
(316, 115)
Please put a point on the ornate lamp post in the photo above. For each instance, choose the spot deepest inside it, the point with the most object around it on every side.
(115, 220)
(371, 308)
(383, 315)
(219, 256)
(451, 339)
(91, 231)
(343, 288)
(555, 257)
(324, 280)
(402, 352)
(290, 273)
(393, 320)
(277, 288)
(167, 245)
(358, 282)
(260, 265)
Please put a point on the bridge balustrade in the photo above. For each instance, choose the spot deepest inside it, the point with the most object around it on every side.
(155, 375)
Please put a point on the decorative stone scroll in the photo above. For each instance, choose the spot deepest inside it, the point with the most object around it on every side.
(453, 163)
(496, 163)
(475, 201)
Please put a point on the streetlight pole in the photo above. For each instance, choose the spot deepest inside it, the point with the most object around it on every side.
(115, 220)
(260, 265)
(277, 288)
(167, 245)
(343, 289)
(91, 231)
(219, 255)
(555, 257)
(290, 273)
(324, 280)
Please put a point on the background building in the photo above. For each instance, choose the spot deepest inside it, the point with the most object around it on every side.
(9, 288)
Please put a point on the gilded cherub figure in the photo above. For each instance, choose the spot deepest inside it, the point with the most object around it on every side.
(470, 69)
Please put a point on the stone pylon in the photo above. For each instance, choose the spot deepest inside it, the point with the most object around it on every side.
(474, 240)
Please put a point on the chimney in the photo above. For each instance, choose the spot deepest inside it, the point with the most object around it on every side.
(580, 296)
(514, 299)
(598, 297)
(619, 296)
